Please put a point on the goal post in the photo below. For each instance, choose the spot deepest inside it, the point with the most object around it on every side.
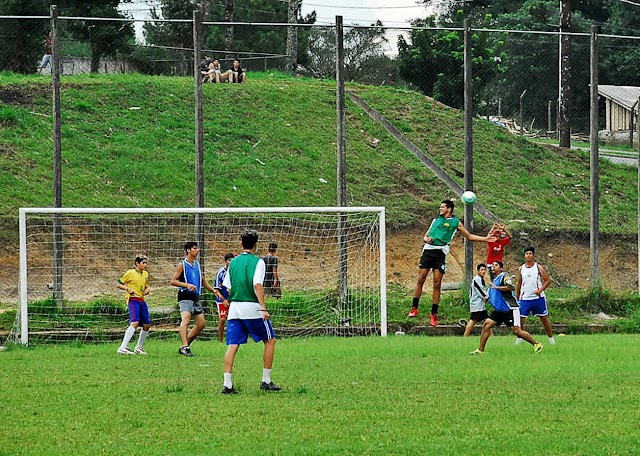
(100, 244)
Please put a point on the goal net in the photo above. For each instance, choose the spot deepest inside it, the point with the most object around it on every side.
(331, 268)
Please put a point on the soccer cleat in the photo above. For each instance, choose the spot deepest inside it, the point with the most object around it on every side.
(231, 390)
(537, 348)
(477, 351)
(264, 386)
(413, 313)
(125, 351)
(186, 351)
(434, 319)
(140, 351)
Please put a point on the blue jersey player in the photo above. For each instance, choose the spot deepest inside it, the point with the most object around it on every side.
(189, 280)
(506, 310)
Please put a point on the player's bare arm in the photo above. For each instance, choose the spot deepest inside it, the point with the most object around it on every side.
(546, 280)
(175, 280)
(426, 238)
(259, 289)
(474, 237)
(519, 286)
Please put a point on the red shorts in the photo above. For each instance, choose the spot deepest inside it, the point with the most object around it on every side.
(223, 310)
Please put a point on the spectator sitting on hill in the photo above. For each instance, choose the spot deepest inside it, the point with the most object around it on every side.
(237, 73)
(215, 74)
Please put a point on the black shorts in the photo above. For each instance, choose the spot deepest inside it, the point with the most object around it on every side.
(479, 316)
(433, 259)
(509, 318)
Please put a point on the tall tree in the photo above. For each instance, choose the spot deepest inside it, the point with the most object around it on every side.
(221, 40)
(228, 29)
(22, 40)
(240, 39)
(433, 60)
(361, 47)
(174, 34)
(105, 38)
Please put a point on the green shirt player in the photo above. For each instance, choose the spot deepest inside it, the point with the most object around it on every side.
(248, 315)
(436, 247)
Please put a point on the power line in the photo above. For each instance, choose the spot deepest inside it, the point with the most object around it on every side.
(366, 7)
(360, 7)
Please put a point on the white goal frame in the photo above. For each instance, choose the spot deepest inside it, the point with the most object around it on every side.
(23, 265)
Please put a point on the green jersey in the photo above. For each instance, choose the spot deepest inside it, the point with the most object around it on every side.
(443, 229)
(241, 271)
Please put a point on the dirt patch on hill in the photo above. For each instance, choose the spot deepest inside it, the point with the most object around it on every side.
(22, 95)
(566, 257)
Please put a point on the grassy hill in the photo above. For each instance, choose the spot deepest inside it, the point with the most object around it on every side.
(129, 141)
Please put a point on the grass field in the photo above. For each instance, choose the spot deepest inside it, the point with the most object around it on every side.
(398, 395)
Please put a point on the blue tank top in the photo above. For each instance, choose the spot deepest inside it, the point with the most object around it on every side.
(192, 275)
(502, 301)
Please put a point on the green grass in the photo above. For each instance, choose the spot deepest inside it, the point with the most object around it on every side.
(399, 395)
(128, 141)
(104, 316)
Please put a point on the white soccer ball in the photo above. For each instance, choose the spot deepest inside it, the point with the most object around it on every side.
(469, 197)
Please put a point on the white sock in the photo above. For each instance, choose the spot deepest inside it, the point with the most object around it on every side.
(552, 340)
(518, 340)
(266, 375)
(142, 338)
(128, 334)
(228, 381)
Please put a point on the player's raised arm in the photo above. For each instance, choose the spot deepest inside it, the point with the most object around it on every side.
(474, 237)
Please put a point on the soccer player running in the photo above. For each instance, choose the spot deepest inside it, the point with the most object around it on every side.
(136, 283)
(222, 295)
(532, 281)
(436, 247)
(506, 310)
(189, 280)
(477, 299)
(248, 314)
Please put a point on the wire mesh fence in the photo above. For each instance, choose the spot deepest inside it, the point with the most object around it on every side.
(427, 59)
(520, 77)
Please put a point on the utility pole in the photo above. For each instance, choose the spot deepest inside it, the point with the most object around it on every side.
(292, 36)
(56, 70)
(228, 29)
(468, 148)
(594, 164)
(199, 131)
(564, 120)
(343, 291)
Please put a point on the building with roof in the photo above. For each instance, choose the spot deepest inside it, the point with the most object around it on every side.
(621, 106)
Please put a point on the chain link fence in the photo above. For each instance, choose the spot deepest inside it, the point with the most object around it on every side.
(516, 73)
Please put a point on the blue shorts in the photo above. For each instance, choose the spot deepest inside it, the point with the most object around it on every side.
(238, 331)
(138, 311)
(535, 307)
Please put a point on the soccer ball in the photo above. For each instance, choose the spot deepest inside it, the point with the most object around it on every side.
(468, 197)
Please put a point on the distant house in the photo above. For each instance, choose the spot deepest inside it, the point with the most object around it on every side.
(620, 100)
